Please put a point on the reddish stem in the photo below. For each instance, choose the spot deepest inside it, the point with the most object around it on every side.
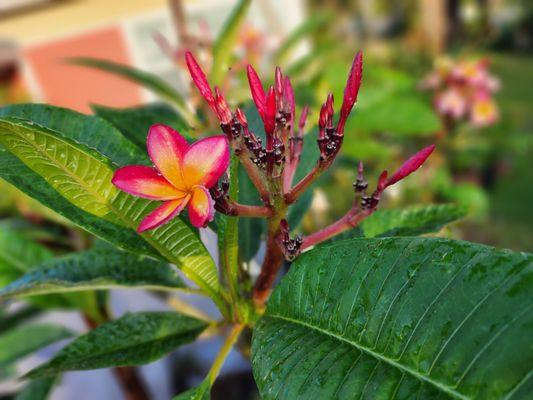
(243, 210)
(349, 221)
(304, 183)
(271, 264)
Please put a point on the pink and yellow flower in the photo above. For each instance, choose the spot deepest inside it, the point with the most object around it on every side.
(484, 110)
(181, 178)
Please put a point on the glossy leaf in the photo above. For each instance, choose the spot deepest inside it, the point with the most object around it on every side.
(224, 46)
(94, 270)
(133, 339)
(135, 122)
(399, 318)
(20, 342)
(38, 389)
(83, 177)
(411, 221)
(90, 130)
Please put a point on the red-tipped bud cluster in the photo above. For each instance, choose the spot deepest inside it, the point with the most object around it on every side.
(291, 247)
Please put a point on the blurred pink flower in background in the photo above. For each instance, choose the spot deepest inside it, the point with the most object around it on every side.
(463, 91)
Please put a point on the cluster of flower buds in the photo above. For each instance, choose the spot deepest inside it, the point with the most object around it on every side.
(291, 247)
(276, 106)
(464, 91)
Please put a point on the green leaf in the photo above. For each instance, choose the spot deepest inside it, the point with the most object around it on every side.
(399, 318)
(411, 221)
(133, 339)
(83, 177)
(16, 318)
(38, 389)
(135, 122)
(18, 254)
(90, 130)
(201, 392)
(24, 340)
(94, 270)
(399, 114)
(146, 79)
(224, 46)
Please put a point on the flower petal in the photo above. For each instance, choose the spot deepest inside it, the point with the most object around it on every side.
(201, 208)
(205, 161)
(166, 148)
(143, 181)
(162, 214)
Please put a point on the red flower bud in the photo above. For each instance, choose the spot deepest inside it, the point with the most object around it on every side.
(303, 117)
(241, 117)
(200, 80)
(411, 165)
(278, 83)
(222, 108)
(256, 87)
(269, 118)
(382, 181)
(288, 92)
(351, 90)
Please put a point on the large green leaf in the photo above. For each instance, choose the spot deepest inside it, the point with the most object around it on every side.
(24, 340)
(411, 221)
(83, 177)
(135, 122)
(224, 46)
(133, 339)
(399, 318)
(93, 270)
(90, 130)
(39, 389)
(143, 78)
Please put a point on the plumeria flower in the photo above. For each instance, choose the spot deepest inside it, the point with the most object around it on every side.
(181, 178)
(484, 110)
(451, 102)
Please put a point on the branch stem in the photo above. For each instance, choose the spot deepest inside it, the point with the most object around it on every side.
(349, 221)
(304, 183)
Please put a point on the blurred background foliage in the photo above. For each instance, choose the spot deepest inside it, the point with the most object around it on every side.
(487, 170)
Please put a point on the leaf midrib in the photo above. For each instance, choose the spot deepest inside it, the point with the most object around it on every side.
(449, 390)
